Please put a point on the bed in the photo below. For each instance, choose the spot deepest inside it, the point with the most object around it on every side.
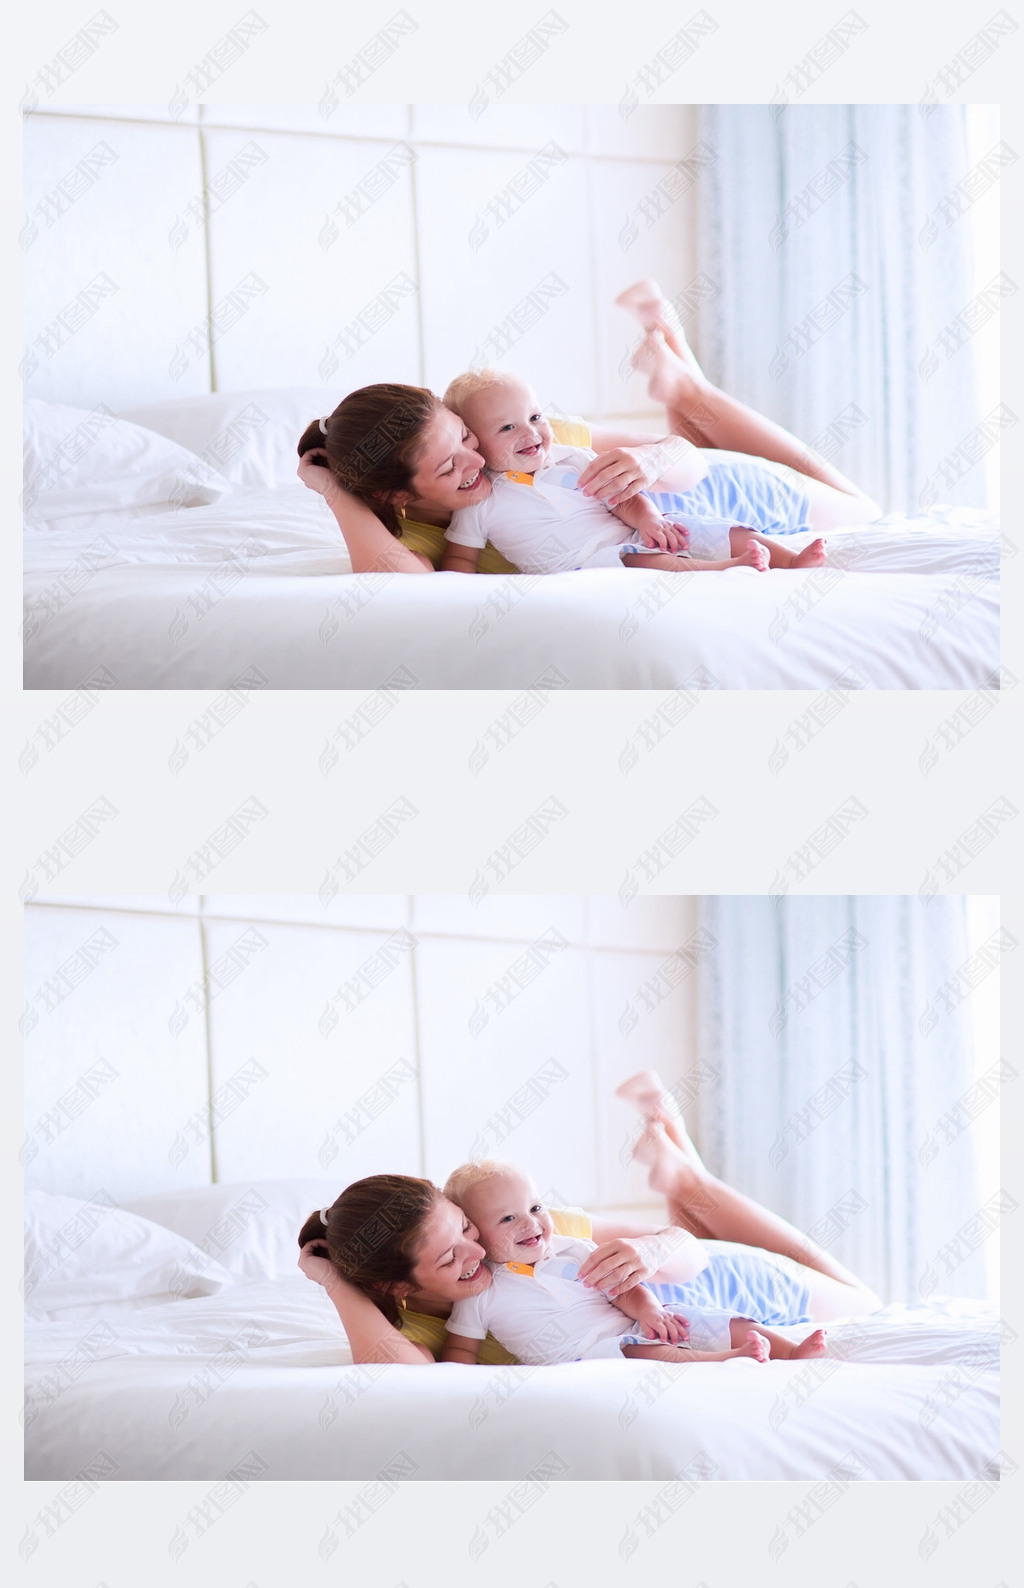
(227, 1370)
(186, 569)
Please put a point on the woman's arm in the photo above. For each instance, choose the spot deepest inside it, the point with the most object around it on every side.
(372, 548)
(628, 1253)
(601, 440)
(630, 461)
(370, 1335)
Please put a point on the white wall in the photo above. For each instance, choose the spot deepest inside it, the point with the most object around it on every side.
(420, 219)
(380, 1033)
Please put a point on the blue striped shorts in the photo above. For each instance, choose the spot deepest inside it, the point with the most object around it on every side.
(744, 1284)
(744, 491)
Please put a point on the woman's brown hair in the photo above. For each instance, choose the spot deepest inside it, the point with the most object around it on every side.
(372, 441)
(372, 1232)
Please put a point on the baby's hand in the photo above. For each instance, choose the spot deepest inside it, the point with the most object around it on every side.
(659, 537)
(681, 533)
(669, 1327)
(665, 537)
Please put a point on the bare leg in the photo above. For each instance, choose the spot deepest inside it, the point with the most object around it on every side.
(755, 1345)
(709, 417)
(782, 1350)
(728, 1215)
(779, 554)
(657, 1105)
(751, 555)
(691, 1212)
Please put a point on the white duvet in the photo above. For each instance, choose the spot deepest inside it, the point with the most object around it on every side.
(257, 1380)
(254, 590)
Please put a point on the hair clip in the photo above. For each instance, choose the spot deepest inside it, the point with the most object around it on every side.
(323, 425)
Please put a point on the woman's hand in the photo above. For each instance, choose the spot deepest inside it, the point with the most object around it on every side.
(314, 473)
(617, 1266)
(618, 474)
(320, 1269)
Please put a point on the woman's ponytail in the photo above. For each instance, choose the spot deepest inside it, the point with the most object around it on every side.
(372, 441)
(313, 439)
(372, 1232)
(315, 1231)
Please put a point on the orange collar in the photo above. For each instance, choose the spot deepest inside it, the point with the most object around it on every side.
(520, 1268)
(520, 479)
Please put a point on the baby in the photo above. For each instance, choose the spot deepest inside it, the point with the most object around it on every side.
(537, 517)
(538, 1308)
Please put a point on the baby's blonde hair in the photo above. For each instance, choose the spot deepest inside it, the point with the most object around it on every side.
(463, 387)
(467, 1175)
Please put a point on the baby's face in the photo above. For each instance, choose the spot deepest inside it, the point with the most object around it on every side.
(509, 427)
(512, 1223)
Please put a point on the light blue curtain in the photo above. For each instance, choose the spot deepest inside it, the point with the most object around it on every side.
(834, 1047)
(841, 254)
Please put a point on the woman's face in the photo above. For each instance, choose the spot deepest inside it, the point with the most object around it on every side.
(449, 470)
(449, 1260)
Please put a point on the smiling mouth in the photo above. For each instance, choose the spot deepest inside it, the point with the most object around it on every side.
(529, 452)
(470, 485)
(531, 1240)
(464, 1278)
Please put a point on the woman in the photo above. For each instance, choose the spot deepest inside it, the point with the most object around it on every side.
(393, 463)
(399, 1254)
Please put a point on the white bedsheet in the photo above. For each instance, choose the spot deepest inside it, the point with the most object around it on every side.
(193, 1389)
(256, 586)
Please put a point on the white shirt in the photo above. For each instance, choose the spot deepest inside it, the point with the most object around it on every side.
(546, 527)
(545, 1315)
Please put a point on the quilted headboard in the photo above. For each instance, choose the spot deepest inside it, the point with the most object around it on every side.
(174, 250)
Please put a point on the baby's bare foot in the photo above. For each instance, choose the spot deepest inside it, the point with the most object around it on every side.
(812, 556)
(756, 1346)
(754, 556)
(814, 1345)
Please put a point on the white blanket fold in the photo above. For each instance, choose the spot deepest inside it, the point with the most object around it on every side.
(185, 1390)
(257, 586)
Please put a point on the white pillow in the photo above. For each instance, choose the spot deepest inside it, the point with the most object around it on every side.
(251, 1229)
(80, 460)
(252, 437)
(81, 1253)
